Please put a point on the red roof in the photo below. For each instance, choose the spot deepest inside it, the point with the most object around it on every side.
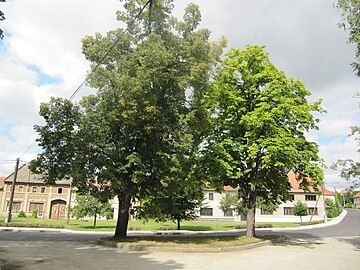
(2, 179)
(357, 195)
(328, 192)
(295, 184)
(344, 191)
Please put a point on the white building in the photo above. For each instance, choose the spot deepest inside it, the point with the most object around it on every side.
(315, 202)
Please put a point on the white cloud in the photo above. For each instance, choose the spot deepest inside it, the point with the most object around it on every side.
(301, 37)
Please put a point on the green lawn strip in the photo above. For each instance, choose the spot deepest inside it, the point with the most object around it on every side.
(138, 225)
(190, 241)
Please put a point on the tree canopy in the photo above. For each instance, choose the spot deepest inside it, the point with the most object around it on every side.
(351, 23)
(134, 136)
(259, 119)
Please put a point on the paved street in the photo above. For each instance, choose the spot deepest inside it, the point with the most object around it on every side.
(335, 247)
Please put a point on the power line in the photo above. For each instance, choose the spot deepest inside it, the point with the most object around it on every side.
(99, 63)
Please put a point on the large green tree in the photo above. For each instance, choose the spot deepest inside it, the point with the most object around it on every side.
(127, 140)
(259, 122)
(351, 23)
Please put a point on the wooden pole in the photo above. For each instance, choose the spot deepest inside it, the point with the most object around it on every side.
(8, 212)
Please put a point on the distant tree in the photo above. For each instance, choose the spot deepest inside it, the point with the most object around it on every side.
(350, 169)
(89, 206)
(332, 210)
(258, 134)
(351, 23)
(232, 202)
(176, 201)
(300, 209)
(2, 17)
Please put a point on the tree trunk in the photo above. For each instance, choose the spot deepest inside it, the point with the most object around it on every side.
(178, 224)
(250, 218)
(123, 217)
(95, 220)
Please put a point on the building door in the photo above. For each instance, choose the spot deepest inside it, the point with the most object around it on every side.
(58, 208)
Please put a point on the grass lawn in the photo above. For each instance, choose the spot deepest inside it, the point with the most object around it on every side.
(151, 225)
(191, 241)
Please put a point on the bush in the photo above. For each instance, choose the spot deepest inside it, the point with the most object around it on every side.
(21, 214)
(333, 212)
(34, 213)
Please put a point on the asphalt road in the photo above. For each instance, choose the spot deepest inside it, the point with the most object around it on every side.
(334, 247)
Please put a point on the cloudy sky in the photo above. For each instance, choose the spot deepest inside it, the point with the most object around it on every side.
(40, 57)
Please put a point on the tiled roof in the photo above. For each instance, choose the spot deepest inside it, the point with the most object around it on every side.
(2, 179)
(357, 195)
(328, 192)
(295, 184)
(25, 176)
(344, 191)
(295, 187)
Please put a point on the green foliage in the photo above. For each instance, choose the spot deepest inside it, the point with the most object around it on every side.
(351, 23)
(349, 169)
(300, 209)
(89, 206)
(232, 202)
(34, 213)
(177, 201)
(259, 119)
(22, 214)
(334, 209)
(138, 133)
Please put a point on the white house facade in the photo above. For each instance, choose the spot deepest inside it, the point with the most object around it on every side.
(314, 200)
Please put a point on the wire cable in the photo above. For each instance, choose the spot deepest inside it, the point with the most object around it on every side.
(78, 89)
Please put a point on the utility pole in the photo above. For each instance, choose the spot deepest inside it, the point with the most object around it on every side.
(8, 212)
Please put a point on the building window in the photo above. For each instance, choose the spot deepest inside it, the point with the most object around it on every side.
(38, 206)
(60, 190)
(211, 196)
(34, 189)
(206, 212)
(310, 197)
(16, 207)
(20, 188)
(288, 211)
(42, 190)
(9, 187)
(229, 213)
(313, 211)
(291, 197)
(266, 212)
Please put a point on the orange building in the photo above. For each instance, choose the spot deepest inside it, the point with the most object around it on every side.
(32, 193)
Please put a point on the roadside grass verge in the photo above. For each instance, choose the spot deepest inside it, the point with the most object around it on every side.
(138, 225)
(190, 242)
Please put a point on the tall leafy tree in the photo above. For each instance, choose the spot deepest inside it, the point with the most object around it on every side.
(259, 122)
(351, 23)
(128, 139)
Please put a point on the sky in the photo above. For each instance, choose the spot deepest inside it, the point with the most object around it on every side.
(41, 57)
